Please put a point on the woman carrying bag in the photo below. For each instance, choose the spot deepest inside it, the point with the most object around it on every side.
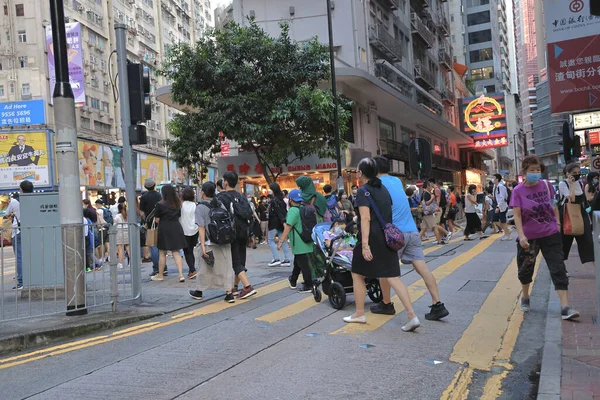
(575, 223)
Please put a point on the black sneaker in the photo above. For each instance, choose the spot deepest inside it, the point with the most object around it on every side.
(292, 283)
(382, 308)
(153, 273)
(438, 311)
(305, 289)
(196, 294)
(18, 287)
(166, 273)
(286, 263)
(568, 313)
(229, 298)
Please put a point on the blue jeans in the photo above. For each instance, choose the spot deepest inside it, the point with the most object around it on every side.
(273, 246)
(16, 243)
(154, 258)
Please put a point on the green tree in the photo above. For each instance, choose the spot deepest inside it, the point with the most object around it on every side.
(261, 92)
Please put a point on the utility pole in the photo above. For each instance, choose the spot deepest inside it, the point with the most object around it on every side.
(336, 128)
(71, 217)
(134, 241)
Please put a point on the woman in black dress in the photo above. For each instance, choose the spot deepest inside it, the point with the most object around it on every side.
(170, 233)
(372, 257)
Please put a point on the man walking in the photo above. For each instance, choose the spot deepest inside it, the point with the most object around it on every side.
(14, 211)
(412, 252)
(241, 212)
(147, 203)
(277, 218)
(501, 194)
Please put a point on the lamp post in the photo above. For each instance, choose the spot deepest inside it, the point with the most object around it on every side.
(518, 134)
(336, 128)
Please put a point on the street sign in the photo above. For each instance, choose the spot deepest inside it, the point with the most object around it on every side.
(586, 120)
(596, 163)
(594, 137)
(419, 183)
(19, 113)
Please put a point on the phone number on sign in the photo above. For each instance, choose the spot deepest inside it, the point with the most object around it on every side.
(8, 114)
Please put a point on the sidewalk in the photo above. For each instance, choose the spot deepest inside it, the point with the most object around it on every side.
(157, 298)
(581, 340)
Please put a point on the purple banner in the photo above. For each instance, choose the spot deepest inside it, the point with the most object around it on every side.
(75, 55)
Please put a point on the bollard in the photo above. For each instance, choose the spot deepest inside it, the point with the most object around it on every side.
(596, 233)
(114, 281)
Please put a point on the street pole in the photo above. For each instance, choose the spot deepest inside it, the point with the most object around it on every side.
(336, 128)
(128, 157)
(70, 206)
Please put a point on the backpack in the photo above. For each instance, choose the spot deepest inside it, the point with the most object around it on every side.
(308, 217)
(221, 228)
(508, 194)
(108, 217)
(240, 210)
(332, 207)
(432, 207)
(443, 198)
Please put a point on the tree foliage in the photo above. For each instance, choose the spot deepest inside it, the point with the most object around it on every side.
(261, 92)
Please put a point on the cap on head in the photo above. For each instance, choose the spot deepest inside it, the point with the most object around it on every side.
(296, 196)
(149, 183)
(99, 201)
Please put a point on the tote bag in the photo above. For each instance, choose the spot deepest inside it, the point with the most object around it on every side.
(152, 235)
(572, 219)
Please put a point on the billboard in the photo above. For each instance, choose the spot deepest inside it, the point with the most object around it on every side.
(573, 55)
(151, 166)
(19, 113)
(24, 156)
(484, 119)
(75, 57)
(100, 165)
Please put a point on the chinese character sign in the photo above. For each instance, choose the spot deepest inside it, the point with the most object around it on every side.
(75, 57)
(24, 156)
(17, 113)
(484, 119)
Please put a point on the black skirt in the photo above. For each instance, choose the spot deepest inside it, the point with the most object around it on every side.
(171, 236)
(473, 224)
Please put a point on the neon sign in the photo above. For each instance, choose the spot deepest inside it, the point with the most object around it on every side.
(484, 120)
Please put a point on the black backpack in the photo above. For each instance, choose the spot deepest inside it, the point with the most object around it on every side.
(220, 229)
(240, 209)
(308, 217)
(443, 198)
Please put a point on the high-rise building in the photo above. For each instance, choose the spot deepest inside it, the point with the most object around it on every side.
(153, 26)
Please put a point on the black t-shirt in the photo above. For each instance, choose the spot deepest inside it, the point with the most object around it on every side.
(261, 210)
(277, 213)
(426, 196)
(382, 200)
(149, 201)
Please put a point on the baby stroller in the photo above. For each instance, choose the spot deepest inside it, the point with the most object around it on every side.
(336, 271)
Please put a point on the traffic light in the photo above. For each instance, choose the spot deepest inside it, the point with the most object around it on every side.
(566, 142)
(576, 147)
(588, 145)
(419, 156)
(595, 7)
(138, 76)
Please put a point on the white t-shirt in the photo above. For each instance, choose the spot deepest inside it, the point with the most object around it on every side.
(565, 190)
(488, 203)
(188, 218)
(114, 209)
(469, 207)
(14, 207)
(501, 196)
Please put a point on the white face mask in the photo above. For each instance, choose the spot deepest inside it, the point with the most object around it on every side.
(344, 196)
(354, 192)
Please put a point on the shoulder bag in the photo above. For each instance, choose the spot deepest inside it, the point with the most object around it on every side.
(394, 238)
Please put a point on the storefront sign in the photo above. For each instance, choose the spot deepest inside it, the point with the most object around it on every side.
(594, 137)
(437, 149)
(573, 55)
(247, 165)
(484, 119)
(75, 58)
(19, 113)
(586, 120)
(24, 156)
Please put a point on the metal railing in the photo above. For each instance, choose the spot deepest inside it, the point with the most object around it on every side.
(596, 227)
(419, 27)
(423, 73)
(385, 42)
(34, 280)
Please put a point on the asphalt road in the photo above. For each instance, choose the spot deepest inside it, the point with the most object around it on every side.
(283, 345)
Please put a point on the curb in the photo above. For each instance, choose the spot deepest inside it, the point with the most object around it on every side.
(550, 376)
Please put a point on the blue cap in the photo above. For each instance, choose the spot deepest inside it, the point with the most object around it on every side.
(296, 196)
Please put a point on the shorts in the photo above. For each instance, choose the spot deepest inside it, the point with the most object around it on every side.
(412, 250)
(438, 217)
(500, 217)
(451, 214)
(443, 216)
(429, 222)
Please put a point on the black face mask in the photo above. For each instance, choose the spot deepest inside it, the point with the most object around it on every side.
(576, 176)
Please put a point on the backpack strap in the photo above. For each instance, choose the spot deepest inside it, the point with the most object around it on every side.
(374, 207)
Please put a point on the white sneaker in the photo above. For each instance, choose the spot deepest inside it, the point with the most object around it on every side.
(286, 263)
(119, 266)
(412, 325)
(274, 263)
(505, 238)
(357, 320)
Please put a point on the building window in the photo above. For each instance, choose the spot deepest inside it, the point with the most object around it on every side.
(85, 123)
(1, 90)
(12, 88)
(481, 55)
(23, 63)
(26, 89)
(482, 17)
(8, 36)
(104, 106)
(1, 66)
(349, 135)
(480, 36)
(20, 10)
(22, 36)
(387, 129)
(101, 127)
(477, 3)
(490, 89)
(95, 103)
(482, 73)
(5, 10)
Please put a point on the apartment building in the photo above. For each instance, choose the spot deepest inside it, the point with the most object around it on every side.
(153, 26)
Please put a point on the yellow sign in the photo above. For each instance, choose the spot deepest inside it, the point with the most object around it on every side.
(484, 114)
(100, 165)
(151, 166)
(24, 156)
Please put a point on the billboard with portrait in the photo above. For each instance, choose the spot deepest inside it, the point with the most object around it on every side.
(24, 156)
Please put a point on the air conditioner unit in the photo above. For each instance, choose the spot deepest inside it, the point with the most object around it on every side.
(12, 78)
(80, 8)
(86, 73)
(106, 84)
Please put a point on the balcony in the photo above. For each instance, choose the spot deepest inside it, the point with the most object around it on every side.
(445, 57)
(394, 149)
(381, 39)
(448, 96)
(423, 75)
(419, 4)
(444, 26)
(392, 4)
(441, 162)
(388, 75)
(419, 29)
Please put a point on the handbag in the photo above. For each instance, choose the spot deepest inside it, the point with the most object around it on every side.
(572, 219)
(394, 238)
(152, 235)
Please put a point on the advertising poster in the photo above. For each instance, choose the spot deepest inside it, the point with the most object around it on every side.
(24, 156)
(484, 119)
(151, 166)
(15, 113)
(100, 165)
(178, 175)
(75, 56)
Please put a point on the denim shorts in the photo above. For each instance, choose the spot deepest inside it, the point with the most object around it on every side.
(412, 250)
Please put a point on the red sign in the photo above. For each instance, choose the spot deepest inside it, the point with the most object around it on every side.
(484, 119)
(574, 74)
(225, 145)
(437, 148)
(419, 183)
(594, 137)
